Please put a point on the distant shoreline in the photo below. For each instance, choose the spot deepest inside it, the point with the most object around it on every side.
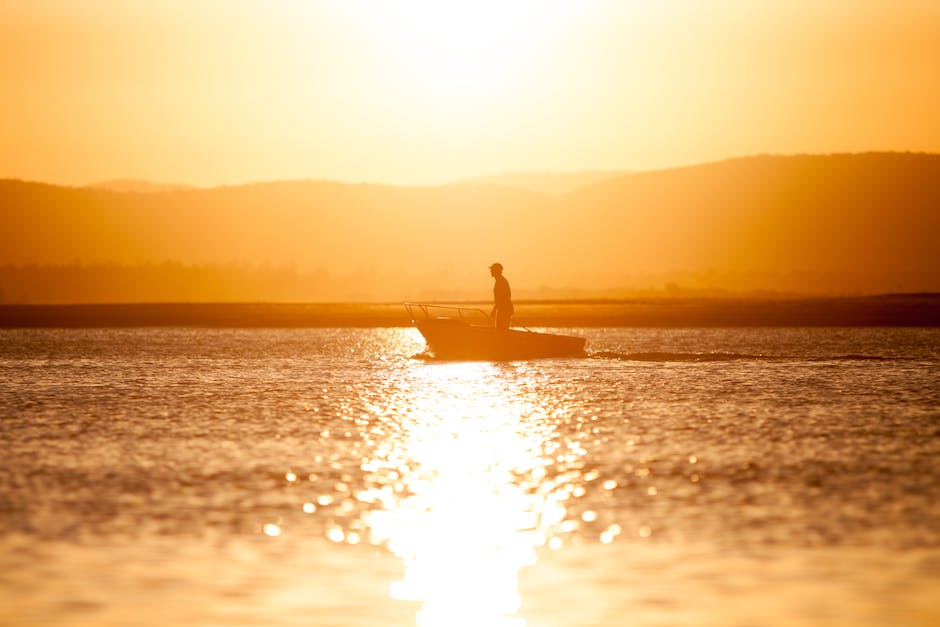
(890, 310)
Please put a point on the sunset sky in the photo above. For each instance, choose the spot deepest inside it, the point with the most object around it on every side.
(416, 92)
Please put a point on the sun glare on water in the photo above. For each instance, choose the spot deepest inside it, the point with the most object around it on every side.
(459, 496)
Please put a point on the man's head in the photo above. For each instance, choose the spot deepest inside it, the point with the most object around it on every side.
(496, 269)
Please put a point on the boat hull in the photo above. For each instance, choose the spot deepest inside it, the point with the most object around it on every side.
(449, 338)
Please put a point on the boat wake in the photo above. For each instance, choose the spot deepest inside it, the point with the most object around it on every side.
(675, 357)
(719, 356)
(729, 356)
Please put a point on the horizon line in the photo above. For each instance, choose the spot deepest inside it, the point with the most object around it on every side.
(755, 295)
(468, 179)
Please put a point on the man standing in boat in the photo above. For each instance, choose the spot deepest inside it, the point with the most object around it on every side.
(502, 298)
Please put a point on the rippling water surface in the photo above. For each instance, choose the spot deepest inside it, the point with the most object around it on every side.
(331, 477)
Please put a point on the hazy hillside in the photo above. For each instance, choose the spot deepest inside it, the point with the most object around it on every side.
(133, 185)
(815, 224)
(548, 183)
(856, 223)
(373, 241)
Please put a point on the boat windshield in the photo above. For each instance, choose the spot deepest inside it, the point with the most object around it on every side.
(421, 311)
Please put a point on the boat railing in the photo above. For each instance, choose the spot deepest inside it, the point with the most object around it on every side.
(431, 310)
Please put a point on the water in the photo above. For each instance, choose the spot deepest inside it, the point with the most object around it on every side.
(328, 477)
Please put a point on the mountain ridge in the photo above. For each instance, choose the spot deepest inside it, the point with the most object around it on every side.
(138, 186)
(842, 223)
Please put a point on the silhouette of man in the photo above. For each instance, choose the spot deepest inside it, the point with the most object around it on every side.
(502, 298)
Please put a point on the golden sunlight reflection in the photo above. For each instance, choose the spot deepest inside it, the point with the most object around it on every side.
(467, 479)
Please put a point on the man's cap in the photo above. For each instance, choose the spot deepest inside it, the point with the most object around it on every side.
(496, 265)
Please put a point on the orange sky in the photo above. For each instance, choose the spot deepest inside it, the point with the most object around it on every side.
(214, 92)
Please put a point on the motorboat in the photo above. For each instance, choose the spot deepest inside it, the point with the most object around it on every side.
(466, 333)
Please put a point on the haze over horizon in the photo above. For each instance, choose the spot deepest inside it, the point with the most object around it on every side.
(832, 224)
